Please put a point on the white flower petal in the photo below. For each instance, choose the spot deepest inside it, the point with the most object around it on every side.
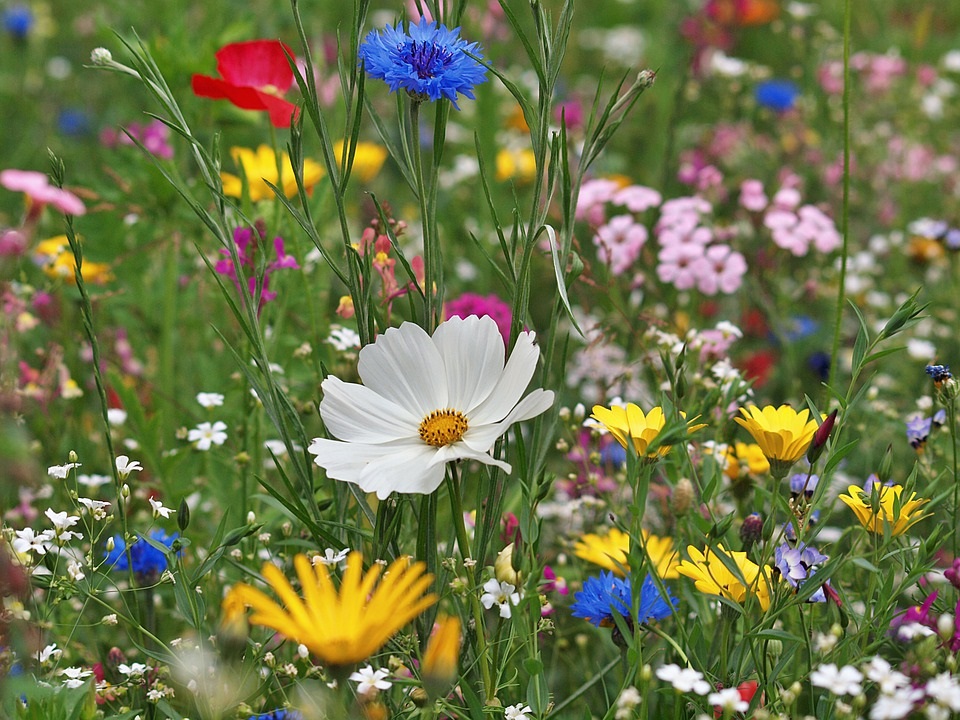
(407, 470)
(482, 438)
(511, 384)
(473, 355)
(405, 366)
(355, 413)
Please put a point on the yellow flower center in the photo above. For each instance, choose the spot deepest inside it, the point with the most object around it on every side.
(443, 427)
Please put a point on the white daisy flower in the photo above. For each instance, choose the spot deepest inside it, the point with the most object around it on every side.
(426, 401)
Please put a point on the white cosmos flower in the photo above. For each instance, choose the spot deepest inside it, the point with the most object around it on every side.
(426, 401)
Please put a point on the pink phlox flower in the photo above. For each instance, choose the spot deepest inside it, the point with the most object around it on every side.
(619, 243)
(37, 187)
(752, 196)
(637, 198)
(676, 264)
(594, 195)
(719, 269)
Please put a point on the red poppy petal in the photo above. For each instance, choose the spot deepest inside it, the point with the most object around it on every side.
(246, 98)
(256, 63)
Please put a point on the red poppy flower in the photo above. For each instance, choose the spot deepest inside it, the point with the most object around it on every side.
(252, 76)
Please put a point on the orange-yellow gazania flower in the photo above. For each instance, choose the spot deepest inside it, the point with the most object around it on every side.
(884, 514)
(56, 259)
(439, 666)
(341, 627)
(260, 167)
(710, 575)
(630, 425)
(611, 551)
(782, 433)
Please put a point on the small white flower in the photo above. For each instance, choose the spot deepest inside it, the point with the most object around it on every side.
(911, 631)
(27, 541)
(62, 522)
(94, 481)
(331, 556)
(839, 681)
(897, 705)
(343, 339)
(132, 671)
(110, 619)
(517, 712)
(206, 435)
(75, 676)
(627, 702)
(945, 690)
(75, 571)
(159, 509)
(125, 466)
(97, 508)
(209, 399)
(887, 679)
(369, 680)
(116, 416)
(60, 472)
(50, 653)
(728, 700)
(501, 593)
(684, 680)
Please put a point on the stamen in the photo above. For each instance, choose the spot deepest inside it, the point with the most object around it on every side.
(443, 427)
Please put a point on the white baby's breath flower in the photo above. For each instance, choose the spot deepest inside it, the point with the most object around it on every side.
(159, 510)
(116, 416)
(28, 541)
(210, 399)
(840, 681)
(205, 435)
(502, 594)
(75, 571)
(369, 680)
(684, 680)
(125, 466)
(426, 401)
(98, 508)
(728, 700)
(60, 472)
(331, 556)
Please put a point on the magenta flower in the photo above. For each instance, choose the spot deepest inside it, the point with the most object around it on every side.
(247, 247)
(36, 186)
(482, 306)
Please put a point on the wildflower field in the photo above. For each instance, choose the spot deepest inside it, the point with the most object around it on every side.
(479, 359)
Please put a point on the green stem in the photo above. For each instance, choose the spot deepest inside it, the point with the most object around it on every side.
(431, 248)
(952, 419)
(456, 505)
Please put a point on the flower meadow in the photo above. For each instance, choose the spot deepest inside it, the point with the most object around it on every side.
(455, 359)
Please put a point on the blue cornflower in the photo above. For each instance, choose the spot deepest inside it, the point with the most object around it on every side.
(280, 714)
(796, 564)
(429, 62)
(939, 373)
(802, 483)
(613, 453)
(778, 95)
(147, 560)
(603, 596)
(918, 430)
(17, 20)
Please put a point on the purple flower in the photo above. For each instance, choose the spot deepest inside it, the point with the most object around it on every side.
(797, 564)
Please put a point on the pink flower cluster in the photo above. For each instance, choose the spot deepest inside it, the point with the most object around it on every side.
(692, 253)
(877, 71)
(619, 239)
(154, 136)
(793, 227)
(490, 306)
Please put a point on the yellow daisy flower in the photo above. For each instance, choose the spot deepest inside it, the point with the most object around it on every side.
(516, 164)
(631, 425)
(57, 261)
(782, 433)
(368, 159)
(884, 514)
(711, 576)
(260, 167)
(341, 627)
(611, 551)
